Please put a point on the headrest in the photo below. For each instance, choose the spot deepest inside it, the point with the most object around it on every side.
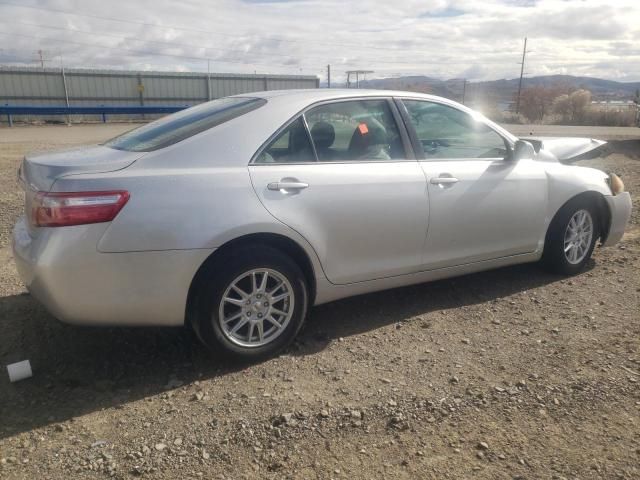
(323, 134)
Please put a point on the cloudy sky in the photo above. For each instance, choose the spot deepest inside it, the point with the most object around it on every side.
(477, 40)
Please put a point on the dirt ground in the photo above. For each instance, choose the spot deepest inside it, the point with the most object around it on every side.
(507, 374)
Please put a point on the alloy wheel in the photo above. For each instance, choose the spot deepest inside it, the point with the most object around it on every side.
(256, 307)
(578, 236)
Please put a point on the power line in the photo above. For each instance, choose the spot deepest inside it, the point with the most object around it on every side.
(190, 45)
(209, 32)
(189, 29)
(159, 42)
(174, 44)
(142, 52)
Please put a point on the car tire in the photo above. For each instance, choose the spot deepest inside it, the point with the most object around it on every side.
(571, 237)
(237, 315)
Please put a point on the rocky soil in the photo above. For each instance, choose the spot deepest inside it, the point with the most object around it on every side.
(512, 373)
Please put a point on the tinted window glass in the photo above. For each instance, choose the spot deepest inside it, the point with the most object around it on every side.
(184, 124)
(447, 132)
(291, 146)
(355, 130)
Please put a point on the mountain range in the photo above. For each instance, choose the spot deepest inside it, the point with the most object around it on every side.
(503, 91)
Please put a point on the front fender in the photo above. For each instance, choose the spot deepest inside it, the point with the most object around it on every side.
(566, 182)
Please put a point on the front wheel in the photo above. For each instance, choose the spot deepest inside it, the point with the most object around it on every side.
(572, 237)
(252, 305)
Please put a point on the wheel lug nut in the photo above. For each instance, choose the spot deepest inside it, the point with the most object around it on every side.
(266, 304)
(248, 314)
(259, 315)
(258, 296)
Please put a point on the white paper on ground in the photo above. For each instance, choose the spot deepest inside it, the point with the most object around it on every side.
(19, 371)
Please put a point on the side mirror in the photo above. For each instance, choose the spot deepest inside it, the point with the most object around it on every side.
(522, 150)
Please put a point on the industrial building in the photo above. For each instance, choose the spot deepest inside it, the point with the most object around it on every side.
(28, 94)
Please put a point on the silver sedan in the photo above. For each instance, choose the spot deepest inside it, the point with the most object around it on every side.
(237, 215)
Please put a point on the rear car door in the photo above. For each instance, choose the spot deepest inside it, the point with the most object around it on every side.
(483, 205)
(343, 176)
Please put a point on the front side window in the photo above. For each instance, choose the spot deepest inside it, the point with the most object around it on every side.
(292, 145)
(448, 133)
(184, 124)
(361, 130)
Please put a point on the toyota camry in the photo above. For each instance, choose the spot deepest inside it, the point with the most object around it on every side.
(237, 215)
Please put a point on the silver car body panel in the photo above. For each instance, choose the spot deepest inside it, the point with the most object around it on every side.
(63, 270)
(43, 169)
(620, 208)
(328, 292)
(565, 148)
(495, 209)
(354, 213)
(364, 226)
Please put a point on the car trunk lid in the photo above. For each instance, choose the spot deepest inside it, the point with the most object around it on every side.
(39, 172)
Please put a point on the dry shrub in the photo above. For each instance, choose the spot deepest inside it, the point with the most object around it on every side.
(609, 118)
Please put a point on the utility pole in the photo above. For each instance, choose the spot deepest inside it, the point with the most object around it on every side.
(524, 53)
(328, 76)
(40, 52)
(464, 90)
(357, 73)
(65, 87)
(209, 79)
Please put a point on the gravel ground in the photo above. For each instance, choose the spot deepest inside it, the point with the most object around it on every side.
(512, 373)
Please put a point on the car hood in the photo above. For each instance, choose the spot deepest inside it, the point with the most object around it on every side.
(564, 148)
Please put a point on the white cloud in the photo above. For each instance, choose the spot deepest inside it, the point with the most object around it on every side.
(441, 38)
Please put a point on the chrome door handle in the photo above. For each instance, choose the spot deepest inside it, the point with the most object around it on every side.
(443, 180)
(287, 186)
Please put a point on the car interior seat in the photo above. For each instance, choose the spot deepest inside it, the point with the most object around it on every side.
(369, 141)
(323, 135)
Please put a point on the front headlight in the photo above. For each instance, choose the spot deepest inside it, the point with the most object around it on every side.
(615, 184)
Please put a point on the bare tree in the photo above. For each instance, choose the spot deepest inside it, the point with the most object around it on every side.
(573, 106)
(536, 102)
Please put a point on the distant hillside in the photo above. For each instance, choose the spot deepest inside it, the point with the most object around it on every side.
(444, 88)
(600, 89)
(503, 91)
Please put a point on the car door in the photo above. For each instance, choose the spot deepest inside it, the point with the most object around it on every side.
(343, 175)
(483, 205)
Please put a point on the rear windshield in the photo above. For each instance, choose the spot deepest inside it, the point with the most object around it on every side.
(184, 124)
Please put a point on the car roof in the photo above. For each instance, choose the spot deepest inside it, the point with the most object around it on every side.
(319, 94)
(295, 100)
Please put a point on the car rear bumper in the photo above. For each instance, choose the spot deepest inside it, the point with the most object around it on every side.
(62, 269)
(620, 208)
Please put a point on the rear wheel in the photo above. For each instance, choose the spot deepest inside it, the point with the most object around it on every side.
(571, 238)
(252, 304)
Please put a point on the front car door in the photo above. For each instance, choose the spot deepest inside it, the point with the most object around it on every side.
(483, 205)
(343, 175)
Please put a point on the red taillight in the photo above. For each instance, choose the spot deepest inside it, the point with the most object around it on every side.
(76, 208)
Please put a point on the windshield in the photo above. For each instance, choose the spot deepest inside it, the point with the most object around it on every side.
(184, 124)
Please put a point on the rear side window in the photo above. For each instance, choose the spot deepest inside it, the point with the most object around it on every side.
(291, 146)
(355, 130)
(179, 126)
